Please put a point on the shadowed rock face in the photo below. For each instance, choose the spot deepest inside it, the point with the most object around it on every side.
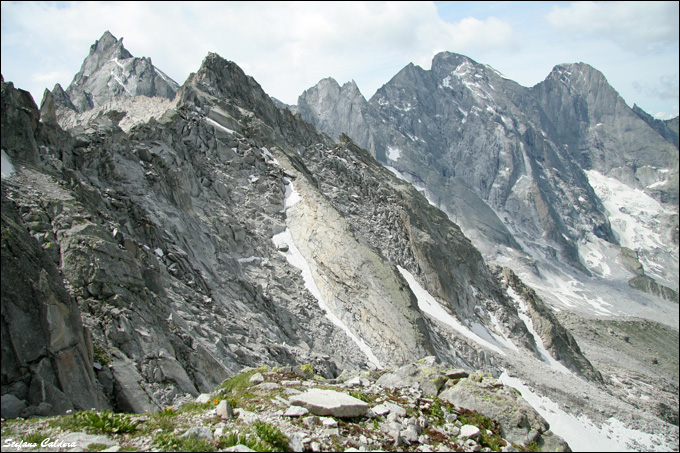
(46, 353)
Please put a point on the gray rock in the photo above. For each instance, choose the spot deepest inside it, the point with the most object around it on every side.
(239, 448)
(501, 403)
(330, 402)
(410, 434)
(387, 408)
(81, 440)
(469, 431)
(203, 398)
(296, 411)
(201, 432)
(224, 410)
(257, 378)
(12, 406)
(132, 76)
(295, 443)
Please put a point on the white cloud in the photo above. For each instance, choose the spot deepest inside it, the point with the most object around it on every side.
(636, 26)
(286, 46)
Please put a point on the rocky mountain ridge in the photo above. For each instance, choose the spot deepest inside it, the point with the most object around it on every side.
(530, 197)
(225, 232)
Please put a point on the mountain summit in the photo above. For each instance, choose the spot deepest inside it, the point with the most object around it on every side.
(109, 72)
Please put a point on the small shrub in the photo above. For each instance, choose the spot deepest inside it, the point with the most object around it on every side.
(307, 369)
(98, 422)
(96, 447)
(101, 355)
(531, 447)
(435, 412)
(358, 394)
(238, 383)
(235, 438)
(171, 442)
(271, 435)
(34, 438)
(494, 440)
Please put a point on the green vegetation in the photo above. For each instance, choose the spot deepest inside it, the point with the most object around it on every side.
(163, 420)
(101, 355)
(97, 422)
(234, 438)
(436, 412)
(34, 438)
(358, 394)
(308, 370)
(271, 435)
(494, 440)
(172, 442)
(531, 446)
(97, 447)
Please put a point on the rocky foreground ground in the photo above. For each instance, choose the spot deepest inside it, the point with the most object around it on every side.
(419, 407)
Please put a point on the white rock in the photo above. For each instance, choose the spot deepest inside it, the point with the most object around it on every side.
(203, 398)
(387, 408)
(330, 402)
(328, 422)
(296, 411)
(256, 378)
(469, 431)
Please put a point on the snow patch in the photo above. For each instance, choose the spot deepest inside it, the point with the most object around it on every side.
(115, 77)
(268, 153)
(7, 166)
(218, 125)
(429, 305)
(581, 433)
(250, 259)
(393, 153)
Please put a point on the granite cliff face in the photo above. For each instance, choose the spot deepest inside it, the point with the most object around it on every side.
(524, 171)
(182, 240)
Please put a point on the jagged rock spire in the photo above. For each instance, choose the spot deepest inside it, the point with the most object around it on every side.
(110, 71)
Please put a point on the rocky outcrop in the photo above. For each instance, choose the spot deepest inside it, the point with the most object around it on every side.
(342, 415)
(47, 357)
(110, 71)
(668, 129)
(554, 336)
(589, 118)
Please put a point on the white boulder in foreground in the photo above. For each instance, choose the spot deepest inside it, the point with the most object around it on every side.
(329, 402)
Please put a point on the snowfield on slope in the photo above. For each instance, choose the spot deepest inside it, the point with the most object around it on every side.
(581, 433)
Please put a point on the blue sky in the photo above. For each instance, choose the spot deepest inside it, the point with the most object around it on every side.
(288, 47)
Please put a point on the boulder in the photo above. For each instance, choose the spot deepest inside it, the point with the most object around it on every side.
(12, 406)
(330, 402)
(515, 416)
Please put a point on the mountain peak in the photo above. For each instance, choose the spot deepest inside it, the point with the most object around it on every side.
(446, 59)
(110, 71)
(103, 50)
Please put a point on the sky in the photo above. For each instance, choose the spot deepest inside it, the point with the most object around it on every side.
(289, 46)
